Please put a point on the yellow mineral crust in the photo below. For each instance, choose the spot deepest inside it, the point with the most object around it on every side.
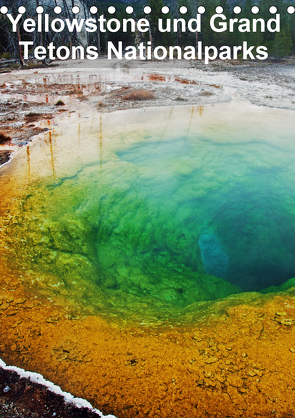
(241, 363)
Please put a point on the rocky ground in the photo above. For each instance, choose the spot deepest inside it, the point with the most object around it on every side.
(22, 398)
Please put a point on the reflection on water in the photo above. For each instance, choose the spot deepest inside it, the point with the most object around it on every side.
(159, 206)
(51, 152)
(28, 159)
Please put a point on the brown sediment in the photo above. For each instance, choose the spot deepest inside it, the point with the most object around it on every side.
(34, 90)
(4, 138)
(19, 129)
(169, 78)
(33, 116)
(176, 79)
(34, 102)
(24, 134)
(5, 156)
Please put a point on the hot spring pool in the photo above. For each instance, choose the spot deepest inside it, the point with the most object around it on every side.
(164, 207)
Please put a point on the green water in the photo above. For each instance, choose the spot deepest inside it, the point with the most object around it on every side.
(171, 207)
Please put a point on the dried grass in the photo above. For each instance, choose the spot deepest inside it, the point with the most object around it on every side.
(206, 93)
(33, 115)
(139, 95)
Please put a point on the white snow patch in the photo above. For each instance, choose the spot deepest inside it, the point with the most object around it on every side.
(38, 378)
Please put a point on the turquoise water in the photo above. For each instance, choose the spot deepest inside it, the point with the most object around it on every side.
(241, 229)
(174, 205)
